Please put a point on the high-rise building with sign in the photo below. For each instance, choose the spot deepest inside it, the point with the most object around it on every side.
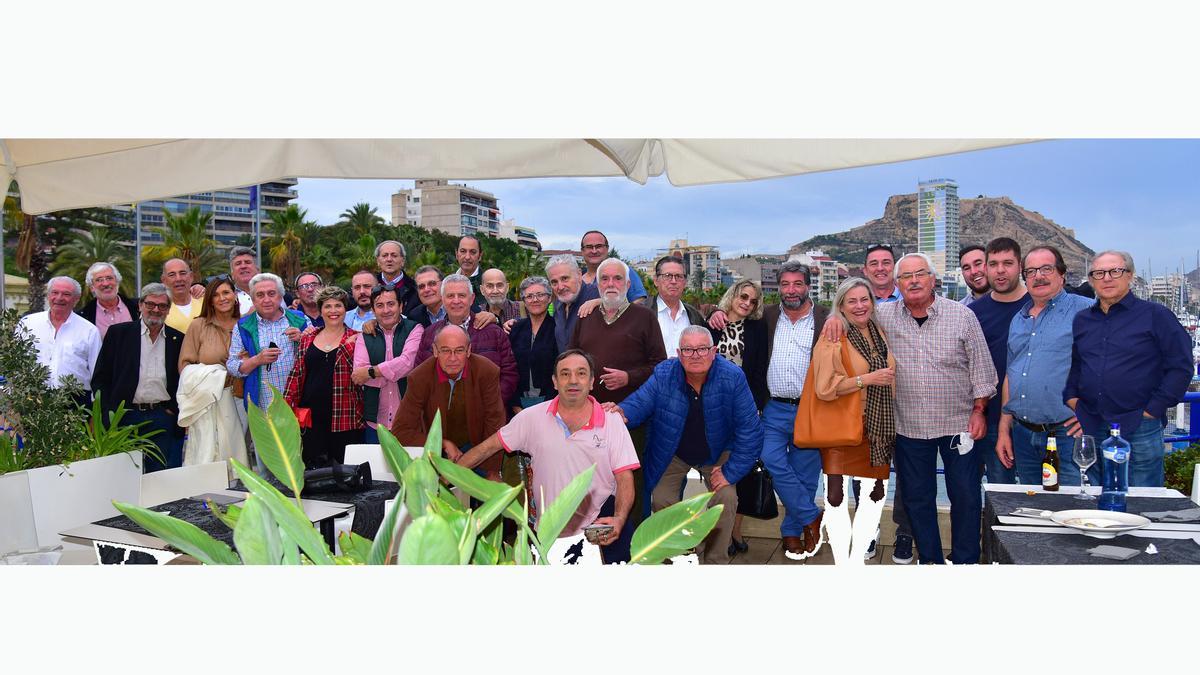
(937, 223)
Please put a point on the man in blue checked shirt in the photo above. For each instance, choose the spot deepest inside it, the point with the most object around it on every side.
(1132, 360)
(1039, 359)
(269, 324)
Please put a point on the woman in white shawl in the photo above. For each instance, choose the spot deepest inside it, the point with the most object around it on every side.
(206, 391)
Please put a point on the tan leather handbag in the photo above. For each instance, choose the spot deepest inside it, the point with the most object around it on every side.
(829, 424)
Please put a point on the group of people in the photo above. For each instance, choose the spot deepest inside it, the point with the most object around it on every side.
(586, 368)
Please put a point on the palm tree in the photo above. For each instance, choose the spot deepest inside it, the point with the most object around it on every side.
(361, 218)
(319, 258)
(356, 255)
(186, 236)
(290, 232)
(95, 244)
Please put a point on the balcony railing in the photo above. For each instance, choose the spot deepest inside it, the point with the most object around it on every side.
(1193, 435)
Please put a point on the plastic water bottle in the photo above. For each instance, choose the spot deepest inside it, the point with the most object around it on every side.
(1115, 463)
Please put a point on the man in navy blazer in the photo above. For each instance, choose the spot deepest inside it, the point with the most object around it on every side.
(139, 365)
(702, 416)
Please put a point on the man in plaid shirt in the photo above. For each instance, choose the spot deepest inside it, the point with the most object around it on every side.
(944, 378)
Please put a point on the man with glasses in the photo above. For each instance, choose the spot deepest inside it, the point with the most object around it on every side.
(307, 285)
(488, 341)
(701, 415)
(973, 262)
(138, 365)
(1039, 345)
(595, 249)
(944, 379)
(460, 385)
(673, 313)
(995, 310)
(1131, 360)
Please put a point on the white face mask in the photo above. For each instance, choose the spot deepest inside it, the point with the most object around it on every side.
(965, 442)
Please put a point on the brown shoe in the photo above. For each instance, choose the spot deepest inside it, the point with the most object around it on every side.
(793, 547)
(812, 535)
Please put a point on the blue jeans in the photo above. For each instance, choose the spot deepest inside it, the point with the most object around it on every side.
(1030, 446)
(796, 472)
(916, 466)
(899, 517)
(168, 442)
(1145, 454)
(989, 463)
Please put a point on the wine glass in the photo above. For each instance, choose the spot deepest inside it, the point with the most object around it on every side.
(1085, 456)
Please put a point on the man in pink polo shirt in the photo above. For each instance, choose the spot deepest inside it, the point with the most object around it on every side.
(565, 436)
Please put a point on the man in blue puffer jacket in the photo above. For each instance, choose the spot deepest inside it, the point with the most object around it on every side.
(701, 415)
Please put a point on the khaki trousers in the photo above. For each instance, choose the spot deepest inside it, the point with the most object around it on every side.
(714, 550)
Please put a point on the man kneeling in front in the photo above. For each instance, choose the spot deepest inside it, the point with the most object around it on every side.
(565, 436)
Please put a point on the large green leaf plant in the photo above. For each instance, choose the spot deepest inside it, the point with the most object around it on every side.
(271, 529)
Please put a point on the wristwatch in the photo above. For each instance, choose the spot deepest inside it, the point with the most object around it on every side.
(371, 372)
(858, 381)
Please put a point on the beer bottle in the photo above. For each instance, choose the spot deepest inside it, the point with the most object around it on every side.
(1050, 466)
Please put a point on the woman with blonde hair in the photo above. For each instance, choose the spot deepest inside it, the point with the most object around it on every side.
(743, 340)
(206, 390)
(871, 373)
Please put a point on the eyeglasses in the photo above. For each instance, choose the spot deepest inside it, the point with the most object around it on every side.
(1114, 273)
(672, 277)
(534, 297)
(157, 306)
(1044, 271)
(309, 286)
(379, 288)
(692, 352)
(918, 275)
(595, 247)
(457, 351)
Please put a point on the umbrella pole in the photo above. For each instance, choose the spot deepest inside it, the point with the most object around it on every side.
(137, 246)
(3, 269)
(257, 228)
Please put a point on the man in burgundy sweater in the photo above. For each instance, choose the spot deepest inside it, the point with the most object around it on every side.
(626, 343)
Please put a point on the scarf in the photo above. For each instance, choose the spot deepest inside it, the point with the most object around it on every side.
(880, 419)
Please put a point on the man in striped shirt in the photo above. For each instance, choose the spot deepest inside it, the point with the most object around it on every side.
(944, 378)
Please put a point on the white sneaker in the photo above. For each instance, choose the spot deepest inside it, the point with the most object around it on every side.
(873, 548)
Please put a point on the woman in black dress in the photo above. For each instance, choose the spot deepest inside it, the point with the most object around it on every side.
(533, 346)
(320, 381)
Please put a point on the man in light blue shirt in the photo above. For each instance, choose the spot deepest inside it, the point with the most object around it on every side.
(361, 285)
(1039, 360)
(269, 338)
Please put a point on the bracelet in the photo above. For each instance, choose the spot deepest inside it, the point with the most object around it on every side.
(858, 381)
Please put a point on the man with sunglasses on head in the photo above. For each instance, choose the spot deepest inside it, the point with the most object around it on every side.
(1130, 361)
(1039, 342)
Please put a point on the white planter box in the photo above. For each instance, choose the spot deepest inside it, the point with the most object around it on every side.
(39, 503)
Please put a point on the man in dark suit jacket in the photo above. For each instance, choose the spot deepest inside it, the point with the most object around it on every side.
(390, 257)
(139, 365)
(464, 387)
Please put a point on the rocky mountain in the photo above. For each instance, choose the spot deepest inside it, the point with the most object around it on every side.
(981, 220)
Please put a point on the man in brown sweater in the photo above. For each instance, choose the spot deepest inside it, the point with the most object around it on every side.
(464, 387)
(624, 339)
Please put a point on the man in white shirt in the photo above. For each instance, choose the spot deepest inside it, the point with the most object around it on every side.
(670, 278)
(67, 343)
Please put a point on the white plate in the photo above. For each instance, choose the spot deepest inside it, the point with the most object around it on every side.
(1100, 524)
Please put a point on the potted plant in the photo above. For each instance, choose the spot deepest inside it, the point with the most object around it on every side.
(271, 529)
(1179, 468)
(60, 465)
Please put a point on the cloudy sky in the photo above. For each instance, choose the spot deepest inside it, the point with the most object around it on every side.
(1139, 195)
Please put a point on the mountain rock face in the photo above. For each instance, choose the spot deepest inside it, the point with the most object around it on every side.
(981, 220)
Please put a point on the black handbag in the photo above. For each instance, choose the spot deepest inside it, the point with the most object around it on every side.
(337, 478)
(756, 494)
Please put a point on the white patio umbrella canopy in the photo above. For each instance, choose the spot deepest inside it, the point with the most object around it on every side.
(57, 174)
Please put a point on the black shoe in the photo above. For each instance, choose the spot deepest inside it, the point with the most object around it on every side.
(736, 546)
(903, 553)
